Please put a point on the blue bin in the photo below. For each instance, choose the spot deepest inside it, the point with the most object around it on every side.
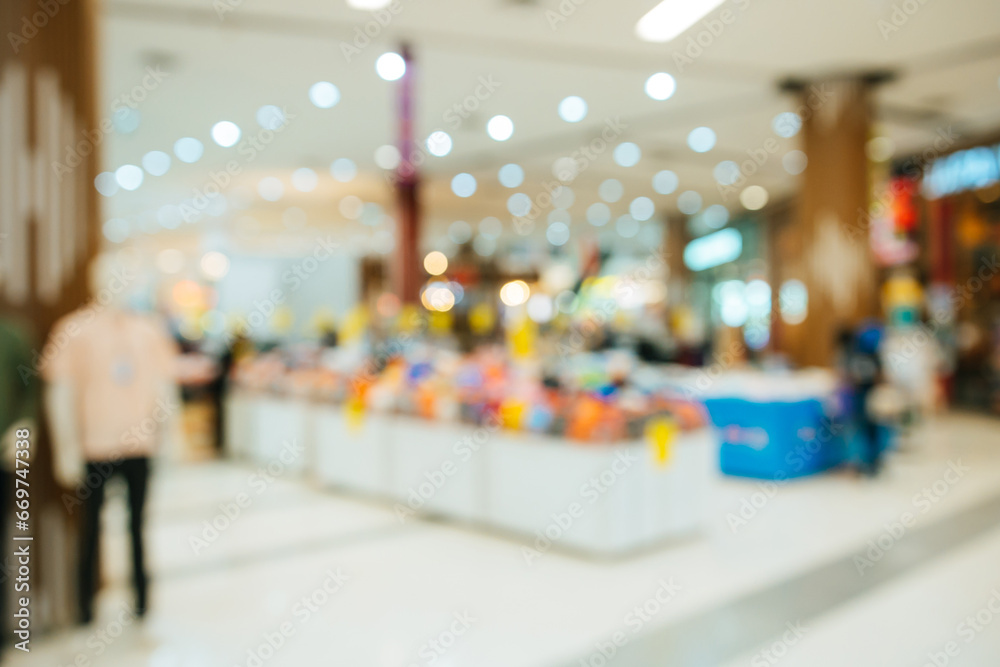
(776, 440)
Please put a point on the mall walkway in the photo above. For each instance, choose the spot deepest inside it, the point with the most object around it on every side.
(821, 572)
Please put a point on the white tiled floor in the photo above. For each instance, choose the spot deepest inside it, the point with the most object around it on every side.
(408, 582)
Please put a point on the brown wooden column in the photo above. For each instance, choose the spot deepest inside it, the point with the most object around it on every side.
(50, 137)
(676, 238)
(827, 246)
(408, 271)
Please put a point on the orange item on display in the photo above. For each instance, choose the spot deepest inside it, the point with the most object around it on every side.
(426, 402)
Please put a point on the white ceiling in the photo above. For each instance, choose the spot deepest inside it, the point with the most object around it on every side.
(947, 56)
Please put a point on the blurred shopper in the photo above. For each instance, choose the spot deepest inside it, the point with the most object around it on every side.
(110, 401)
(217, 390)
(861, 371)
(18, 407)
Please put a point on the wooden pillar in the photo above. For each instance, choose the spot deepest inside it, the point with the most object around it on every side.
(49, 141)
(827, 246)
(676, 237)
(407, 272)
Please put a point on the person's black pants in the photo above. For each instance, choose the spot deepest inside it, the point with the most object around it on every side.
(136, 473)
(871, 452)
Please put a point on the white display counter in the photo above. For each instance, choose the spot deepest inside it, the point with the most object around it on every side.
(351, 456)
(598, 498)
(602, 499)
(266, 428)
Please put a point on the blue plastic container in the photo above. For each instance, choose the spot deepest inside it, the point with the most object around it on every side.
(776, 440)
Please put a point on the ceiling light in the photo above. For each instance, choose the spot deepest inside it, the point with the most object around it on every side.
(214, 265)
(661, 86)
(754, 198)
(387, 156)
(490, 227)
(435, 263)
(519, 204)
(665, 182)
(786, 124)
(794, 162)
(271, 117)
(304, 179)
(439, 143)
(188, 149)
(689, 202)
(642, 208)
(463, 185)
(557, 233)
(610, 190)
(324, 94)
(726, 172)
(500, 128)
(515, 293)
(270, 188)
(511, 175)
(115, 230)
(598, 214)
(129, 176)
(670, 18)
(390, 66)
(701, 139)
(156, 163)
(627, 154)
(573, 109)
(225, 133)
(343, 170)
(368, 5)
(106, 183)
(715, 216)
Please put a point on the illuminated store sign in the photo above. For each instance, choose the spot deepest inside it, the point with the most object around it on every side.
(713, 250)
(965, 170)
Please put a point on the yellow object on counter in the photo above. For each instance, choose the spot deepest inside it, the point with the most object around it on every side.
(660, 434)
(354, 410)
(512, 413)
